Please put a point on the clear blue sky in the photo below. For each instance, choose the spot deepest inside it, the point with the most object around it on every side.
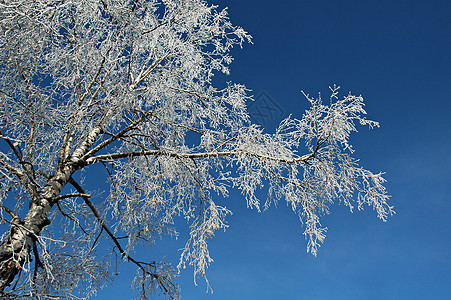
(397, 55)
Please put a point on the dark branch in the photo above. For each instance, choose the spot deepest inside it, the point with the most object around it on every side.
(115, 240)
(37, 263)
(70, 196)
(70, 217)
(10, 212)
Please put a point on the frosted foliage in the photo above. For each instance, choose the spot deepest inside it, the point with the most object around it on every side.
(127, 86)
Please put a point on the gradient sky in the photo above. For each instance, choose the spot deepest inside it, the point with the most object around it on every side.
(397, 55)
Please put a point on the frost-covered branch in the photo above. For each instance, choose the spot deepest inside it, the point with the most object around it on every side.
(166, 285)
(129, 84)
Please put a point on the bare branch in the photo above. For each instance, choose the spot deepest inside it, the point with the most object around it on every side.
(71, 218)
(108, 157)
(115, 240)
(71, 195)
(10, 212)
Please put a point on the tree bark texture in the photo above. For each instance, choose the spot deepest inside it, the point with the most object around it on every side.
(15, 250)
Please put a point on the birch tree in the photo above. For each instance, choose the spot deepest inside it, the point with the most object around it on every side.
(127, 85)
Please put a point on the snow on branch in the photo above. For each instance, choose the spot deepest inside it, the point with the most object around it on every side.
(128, 86)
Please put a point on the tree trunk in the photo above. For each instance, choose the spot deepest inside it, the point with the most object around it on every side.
(16, 248)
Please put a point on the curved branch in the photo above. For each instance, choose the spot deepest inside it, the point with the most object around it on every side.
(56, 199)
(10, 212)
(70, 218)
(19, 157)
(115, 239)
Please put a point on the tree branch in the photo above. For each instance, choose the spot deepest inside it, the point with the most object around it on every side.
(116, 136)
(16, 171)
(56, 199)
(114, 156)
(27, 166)
(144, 73)
(114, 238)
(10, 212)
(70, 218)
(38, 263)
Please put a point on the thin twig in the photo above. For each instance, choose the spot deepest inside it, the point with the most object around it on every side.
(114, 239)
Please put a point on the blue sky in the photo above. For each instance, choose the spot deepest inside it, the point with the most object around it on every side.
(397, 55)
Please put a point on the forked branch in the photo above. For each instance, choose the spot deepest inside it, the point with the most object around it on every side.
(167, 290)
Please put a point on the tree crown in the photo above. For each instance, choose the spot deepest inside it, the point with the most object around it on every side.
(128, 85)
